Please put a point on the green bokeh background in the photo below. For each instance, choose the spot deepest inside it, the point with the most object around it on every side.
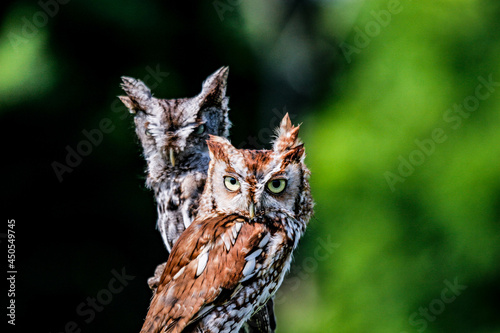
(401, 212)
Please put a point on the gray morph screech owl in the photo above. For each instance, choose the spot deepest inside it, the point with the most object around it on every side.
(233, 257)
(172, 134)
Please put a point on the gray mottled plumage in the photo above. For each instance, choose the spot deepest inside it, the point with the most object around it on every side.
(173, 135)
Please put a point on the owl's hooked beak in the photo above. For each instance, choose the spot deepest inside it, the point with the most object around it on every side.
(251, 210)
(172, 157)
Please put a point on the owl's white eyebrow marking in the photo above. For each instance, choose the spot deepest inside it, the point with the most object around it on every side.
(202, 263)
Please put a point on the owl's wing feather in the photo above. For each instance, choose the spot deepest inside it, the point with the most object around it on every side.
(262, 321)
(208, 262)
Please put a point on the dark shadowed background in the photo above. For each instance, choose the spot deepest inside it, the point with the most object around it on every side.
(400, 109)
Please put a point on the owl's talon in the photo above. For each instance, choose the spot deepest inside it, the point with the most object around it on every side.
(154, 281)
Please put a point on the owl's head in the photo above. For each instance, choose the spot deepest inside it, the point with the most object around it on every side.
(254, 183)
(176, 129)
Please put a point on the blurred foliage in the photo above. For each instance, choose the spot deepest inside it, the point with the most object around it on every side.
(25, 67)
(400, 128)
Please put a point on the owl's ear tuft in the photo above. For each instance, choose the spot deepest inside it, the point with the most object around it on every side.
(131, 106)
(287, 135)
(219, 148)
(138, 94)
(213, 91)
(294, 155)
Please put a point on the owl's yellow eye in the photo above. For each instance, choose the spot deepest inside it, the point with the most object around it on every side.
(276, 185)
(200, 130)
(231, 183)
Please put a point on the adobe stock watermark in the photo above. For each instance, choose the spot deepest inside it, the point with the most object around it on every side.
(94, 137)
(372, 29)
(420, 319)
(88, 309)
(453, 116)
(324, 249)
(262, 138)
(31, 26)
(223, 6)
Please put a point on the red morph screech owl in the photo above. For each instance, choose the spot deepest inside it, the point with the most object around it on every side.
(232, 259)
